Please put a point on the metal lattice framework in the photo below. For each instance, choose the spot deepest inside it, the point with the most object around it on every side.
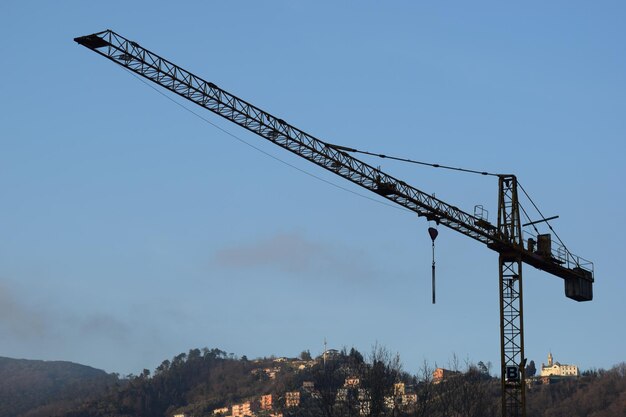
(512, 337)
(206, 94)
(506, 238)
(511, 302)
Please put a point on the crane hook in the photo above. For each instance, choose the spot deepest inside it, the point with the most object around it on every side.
(433, 235)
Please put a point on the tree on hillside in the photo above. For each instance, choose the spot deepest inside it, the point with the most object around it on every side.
(383, 372)
(531, 370)
(355, 357)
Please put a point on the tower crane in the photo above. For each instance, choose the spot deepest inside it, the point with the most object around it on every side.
(505, 237)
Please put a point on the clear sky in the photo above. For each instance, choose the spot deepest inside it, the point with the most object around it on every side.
(132, 230)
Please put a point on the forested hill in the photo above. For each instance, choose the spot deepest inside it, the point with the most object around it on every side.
(33, 388)
(197, 383)
(210, 382)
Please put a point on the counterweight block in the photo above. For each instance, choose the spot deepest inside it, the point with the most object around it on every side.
(579, 288)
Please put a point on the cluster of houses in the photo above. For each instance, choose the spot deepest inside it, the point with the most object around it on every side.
(352, 391)
(272, 405)
(265, 404)
(271, 372)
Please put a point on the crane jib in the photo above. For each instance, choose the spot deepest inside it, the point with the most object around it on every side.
(159, 70)
(206, 94)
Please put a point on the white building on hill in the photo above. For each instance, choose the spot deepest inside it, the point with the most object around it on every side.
(558, 369)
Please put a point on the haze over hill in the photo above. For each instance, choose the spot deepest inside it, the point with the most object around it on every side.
(35, 388)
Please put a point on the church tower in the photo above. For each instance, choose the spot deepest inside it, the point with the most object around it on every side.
(560, 370)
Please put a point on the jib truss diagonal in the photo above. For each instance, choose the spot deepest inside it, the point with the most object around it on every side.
(206, 94)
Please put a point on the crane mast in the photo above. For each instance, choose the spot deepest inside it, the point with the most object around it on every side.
(505, 238)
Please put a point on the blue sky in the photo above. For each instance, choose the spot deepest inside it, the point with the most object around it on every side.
(132, 230)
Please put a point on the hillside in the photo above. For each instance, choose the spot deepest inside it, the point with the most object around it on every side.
(33, 388)
(210, 382)
(207, 383)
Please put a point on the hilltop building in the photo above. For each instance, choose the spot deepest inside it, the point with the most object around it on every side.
(558, 369)
(329, 355)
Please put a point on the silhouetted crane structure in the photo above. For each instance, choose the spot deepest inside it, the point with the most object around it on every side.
(505, 238)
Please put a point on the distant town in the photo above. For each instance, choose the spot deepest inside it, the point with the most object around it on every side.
(403, 398)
